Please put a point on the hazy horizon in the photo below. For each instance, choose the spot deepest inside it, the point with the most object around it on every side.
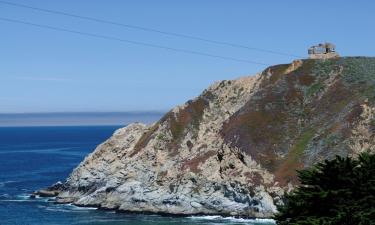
(77, 118)
(78, 112)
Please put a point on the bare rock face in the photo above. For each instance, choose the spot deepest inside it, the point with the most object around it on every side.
(234, 149)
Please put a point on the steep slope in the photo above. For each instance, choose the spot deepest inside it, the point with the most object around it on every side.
(234, 149)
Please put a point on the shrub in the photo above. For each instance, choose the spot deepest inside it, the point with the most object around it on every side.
(340, 191)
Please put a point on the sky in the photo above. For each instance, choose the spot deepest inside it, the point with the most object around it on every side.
(44, 70)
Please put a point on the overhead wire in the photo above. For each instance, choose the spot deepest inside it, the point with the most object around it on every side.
(113, 38)
(147, 29)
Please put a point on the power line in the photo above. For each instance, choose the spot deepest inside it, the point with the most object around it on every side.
(149, 29)
(131, 41)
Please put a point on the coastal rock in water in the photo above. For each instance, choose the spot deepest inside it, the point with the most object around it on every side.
(52, 191)
(234, 149)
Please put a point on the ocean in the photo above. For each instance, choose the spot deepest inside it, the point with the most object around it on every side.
(36, 157)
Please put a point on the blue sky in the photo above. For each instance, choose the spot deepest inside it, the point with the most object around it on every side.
(50, 71)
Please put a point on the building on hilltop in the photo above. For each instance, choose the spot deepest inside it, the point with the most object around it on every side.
(323, 51)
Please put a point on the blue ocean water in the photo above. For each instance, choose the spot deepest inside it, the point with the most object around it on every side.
(35, 157)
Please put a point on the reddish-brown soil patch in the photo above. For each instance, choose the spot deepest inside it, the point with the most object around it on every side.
(193, 164)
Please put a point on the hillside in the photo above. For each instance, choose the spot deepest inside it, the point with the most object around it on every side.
(234, 149)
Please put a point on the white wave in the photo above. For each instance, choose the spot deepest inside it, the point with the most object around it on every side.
(45, 150)
(36, 198)
(18, 198)
(4, 196)
(253, 221)
(206, 217)
(53, 209)
(100, 221)
(265, 220)
(59, 209)
(234, 219)
(2, 184)
(74, 207)
(15, 200)
(69, 208)
(23, 196)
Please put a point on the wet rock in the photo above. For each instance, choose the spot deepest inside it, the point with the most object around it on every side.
(46, 193)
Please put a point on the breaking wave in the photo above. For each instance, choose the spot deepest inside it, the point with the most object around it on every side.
(234, 219)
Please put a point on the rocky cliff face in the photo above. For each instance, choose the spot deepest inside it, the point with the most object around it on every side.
(234, 149)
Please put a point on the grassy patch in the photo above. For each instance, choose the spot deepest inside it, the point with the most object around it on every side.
(191, 115)
(358, 70)
(372, 122)
(313, 89)
(331, 139)
(323, 68)
(369, 91)
(145, 138)
(301, 144)
(187, 118)
(306, 67)
(177, 129)
(277, 72)
(287, 170)
(161, 137)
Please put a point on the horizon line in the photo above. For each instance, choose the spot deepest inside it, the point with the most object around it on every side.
(87, 112)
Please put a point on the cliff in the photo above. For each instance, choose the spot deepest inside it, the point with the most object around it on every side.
(234, 149)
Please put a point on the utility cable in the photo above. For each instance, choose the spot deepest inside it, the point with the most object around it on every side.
(131, 41)
(146, 29)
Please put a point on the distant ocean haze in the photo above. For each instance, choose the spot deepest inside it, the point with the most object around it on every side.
(77, 118)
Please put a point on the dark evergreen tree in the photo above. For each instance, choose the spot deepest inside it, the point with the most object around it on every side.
(336, 192)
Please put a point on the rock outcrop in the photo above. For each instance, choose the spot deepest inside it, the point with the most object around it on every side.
(234, 149)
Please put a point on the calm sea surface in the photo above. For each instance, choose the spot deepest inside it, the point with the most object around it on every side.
(35, 157)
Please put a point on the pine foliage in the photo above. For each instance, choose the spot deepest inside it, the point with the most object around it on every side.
(336, 192)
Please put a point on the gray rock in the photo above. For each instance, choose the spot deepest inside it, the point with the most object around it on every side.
(230, 151)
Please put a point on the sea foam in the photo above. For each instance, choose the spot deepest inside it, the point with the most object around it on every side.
(234, 219)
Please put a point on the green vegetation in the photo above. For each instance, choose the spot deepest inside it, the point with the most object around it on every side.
(323, 68)
(331, 139)
(278, 72)
(336, 192)
(162, 137)
(369, 92)
(360, 72)
(145, 138)
(187, 117)
(302, 142)
(306, 67)
(313, 89)
(372, 122)
(177, 128)
(287, 169)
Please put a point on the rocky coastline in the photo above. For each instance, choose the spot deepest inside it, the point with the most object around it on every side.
(233, 150)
